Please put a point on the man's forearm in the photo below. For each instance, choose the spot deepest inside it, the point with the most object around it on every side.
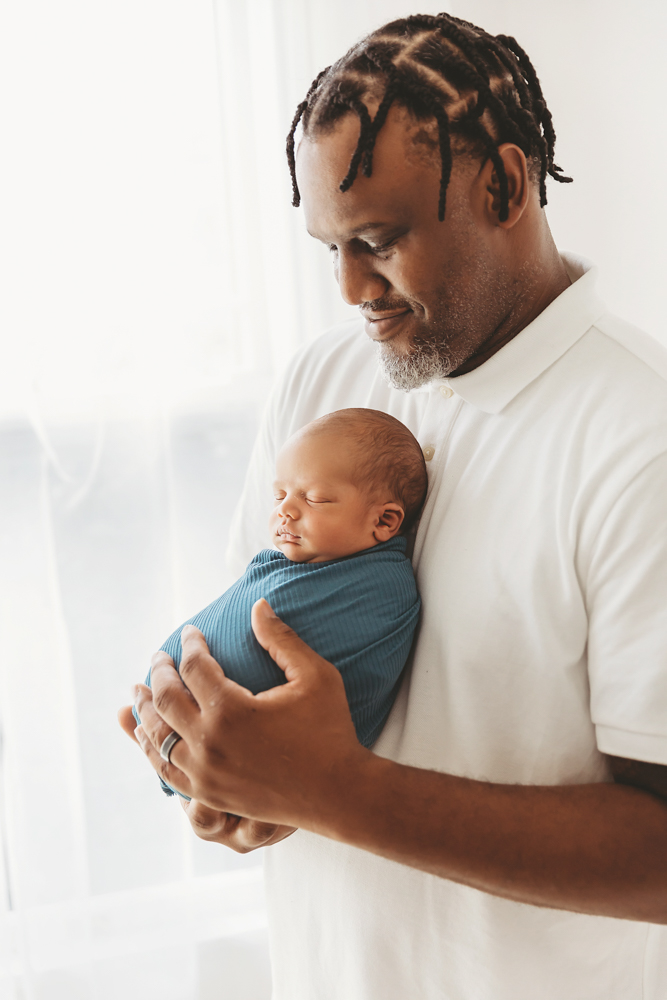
(597, 849)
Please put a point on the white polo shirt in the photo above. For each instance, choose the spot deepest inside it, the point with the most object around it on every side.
(541, 559)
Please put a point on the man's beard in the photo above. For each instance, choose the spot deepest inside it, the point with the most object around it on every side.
(461, 319)
(428, 357)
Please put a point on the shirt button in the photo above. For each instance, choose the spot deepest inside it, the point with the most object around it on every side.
(429, 452)
(446, 391)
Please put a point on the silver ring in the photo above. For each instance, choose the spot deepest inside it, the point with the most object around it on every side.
(168, 744)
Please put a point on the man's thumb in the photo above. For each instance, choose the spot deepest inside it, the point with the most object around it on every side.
(280, 641)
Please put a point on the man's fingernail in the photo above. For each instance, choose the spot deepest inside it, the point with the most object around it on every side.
(267, 610)
(186, 630)
(135, 692)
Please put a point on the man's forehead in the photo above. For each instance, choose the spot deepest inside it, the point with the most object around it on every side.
(366, 228)
(401, 140)
(371, 203)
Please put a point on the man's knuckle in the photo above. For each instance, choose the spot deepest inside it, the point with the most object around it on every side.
(161, 659)
(189, 663)
(163, 700)
(260, 832)
(239, 848)
(203, 824)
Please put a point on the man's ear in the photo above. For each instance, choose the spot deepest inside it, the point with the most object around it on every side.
(518, 185)
(388, 522)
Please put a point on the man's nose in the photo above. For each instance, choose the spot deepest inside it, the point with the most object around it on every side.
(357, 278)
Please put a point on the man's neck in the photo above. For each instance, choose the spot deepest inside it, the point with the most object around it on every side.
(544, 281)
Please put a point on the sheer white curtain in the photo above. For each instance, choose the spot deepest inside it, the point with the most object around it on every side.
(155, 280)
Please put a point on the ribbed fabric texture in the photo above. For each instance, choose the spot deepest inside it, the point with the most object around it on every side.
(360, 613)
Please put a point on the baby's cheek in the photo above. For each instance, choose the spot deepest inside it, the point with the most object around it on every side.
(327, 529)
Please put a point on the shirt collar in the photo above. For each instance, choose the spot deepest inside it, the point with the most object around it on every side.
(495, 383)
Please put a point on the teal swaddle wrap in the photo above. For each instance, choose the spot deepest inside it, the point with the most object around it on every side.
(359, 612)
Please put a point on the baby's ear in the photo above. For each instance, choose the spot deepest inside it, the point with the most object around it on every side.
(388, 523)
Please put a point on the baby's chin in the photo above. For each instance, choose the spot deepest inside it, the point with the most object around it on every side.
(300, 553)
(294, 551)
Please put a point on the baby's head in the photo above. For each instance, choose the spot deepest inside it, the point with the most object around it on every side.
(344, 483)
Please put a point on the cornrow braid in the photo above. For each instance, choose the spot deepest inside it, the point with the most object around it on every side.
(364, 134)
(545, 115)
(525, 110)
(406, 57)
(504, 47)
(382, 60)
(485, 98)
(377, 123)
(410, 82)
(414, 85)
(296, 197)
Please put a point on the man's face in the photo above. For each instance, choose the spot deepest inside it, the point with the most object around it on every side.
(431, 292)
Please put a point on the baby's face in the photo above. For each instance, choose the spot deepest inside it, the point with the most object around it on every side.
(319, 513)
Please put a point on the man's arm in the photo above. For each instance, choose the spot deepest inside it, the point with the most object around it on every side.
(640, 774)
(289, 756)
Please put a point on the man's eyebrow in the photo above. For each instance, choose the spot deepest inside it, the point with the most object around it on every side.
(365, 227)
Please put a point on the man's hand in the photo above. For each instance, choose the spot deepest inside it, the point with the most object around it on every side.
(275, 757)
(241, 835)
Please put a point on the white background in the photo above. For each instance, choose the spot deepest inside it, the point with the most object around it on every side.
(154, 280)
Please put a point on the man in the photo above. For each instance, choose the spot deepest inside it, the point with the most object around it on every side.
(507, 838)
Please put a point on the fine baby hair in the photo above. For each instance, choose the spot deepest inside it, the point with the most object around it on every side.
(388, 456)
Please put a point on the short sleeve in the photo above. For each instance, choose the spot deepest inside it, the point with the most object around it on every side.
(627, 601)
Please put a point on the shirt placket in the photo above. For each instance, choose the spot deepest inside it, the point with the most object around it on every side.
(435, 432)
(439, 417)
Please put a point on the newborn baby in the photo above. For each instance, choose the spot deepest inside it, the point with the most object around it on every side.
(348, 487)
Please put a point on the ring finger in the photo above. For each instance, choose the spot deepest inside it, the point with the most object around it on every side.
(156, 729)
(151, 734)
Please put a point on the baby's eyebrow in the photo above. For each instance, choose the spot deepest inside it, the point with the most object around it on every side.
(324, 489)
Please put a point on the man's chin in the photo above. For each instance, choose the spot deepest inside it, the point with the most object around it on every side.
(410, 369)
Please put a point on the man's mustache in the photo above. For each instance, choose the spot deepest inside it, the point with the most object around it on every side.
(384, 305)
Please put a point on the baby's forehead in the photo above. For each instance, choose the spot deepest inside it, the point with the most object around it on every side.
(315, 449)
(353, 449)
(334, 441)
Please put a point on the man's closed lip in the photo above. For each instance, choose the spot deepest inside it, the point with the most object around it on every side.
(381, 326)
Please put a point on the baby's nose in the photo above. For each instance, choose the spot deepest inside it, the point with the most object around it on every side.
(288, 511)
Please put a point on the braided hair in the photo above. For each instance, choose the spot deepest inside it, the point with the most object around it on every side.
(427, 63)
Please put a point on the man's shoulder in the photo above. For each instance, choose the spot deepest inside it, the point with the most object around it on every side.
(614, 383)
(619, 369)
(635, 349)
